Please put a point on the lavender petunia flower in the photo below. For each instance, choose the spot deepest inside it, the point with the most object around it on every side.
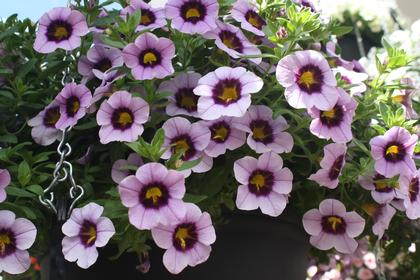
(43, 130)
(73, 101)
(224, 136)
(264, 183)
(84, 231)
(187, 241)
(230, 39)
(119, 168)
(335, 123)
(153, 196)
(265, 133)
(121, 117)
(382, 190)
(151, 18)
(98, 61)
(4, 182)
(149, 57)
(393, 152)
(226, 92)
(404, 96)
(182, 100)
(245, 12)
(16, 236)
(192, 16)
(355, 79)
(331, 226)
(410, 185)
(331, 166)
(60, 28)
(306, 4)
(308, 80)
(190, 139)
(335, 59)
(381, 215)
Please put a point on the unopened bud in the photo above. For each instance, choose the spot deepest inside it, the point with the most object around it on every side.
(282, 33)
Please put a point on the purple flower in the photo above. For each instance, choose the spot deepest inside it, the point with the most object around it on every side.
(150, 18)
(245, 12)
(121, 117)
(265, 133)
(192, 16)
(382, 190)
(331, 166)
(106, 89)
(153, 196)
(98, 61)
(410, 185)
(335, 59)
(187, 241)
(264, 183)
(190, 139)
(73, 101)
(224, 136)
(4, 182)
(60, 28)
(16, 236)
(182, 100)
(84, 231)
(354, 79)
(331, 226)
(306, 4)
(381, 215)
(149, 57)
(120, 168)
(43, 130)
(226, 92)
(403, 97)
(230, 39)
(335, 123)
(393, 152)
(308, 80)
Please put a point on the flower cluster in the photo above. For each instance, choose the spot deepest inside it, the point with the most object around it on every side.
(235, 105)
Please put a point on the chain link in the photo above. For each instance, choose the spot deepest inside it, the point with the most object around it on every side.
(63, 171)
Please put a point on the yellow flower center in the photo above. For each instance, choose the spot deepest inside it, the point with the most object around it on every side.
(392, 150)
(4, 241)
(307, 78)
(370, 208)
(125, 119)
(334, 222)
(228, 41)
(91, 234)
(187, 101)
(258, 180)
(229, 94)
(61, 32)
(254, 22)
(258, 132)
(74, 106)
(398, 98)
(181, 145)
(329, 114)
(182, 235)
(145, 20)
(52, 116)
(154, 193)
(192, 13)
(220, 133)
(149, 58)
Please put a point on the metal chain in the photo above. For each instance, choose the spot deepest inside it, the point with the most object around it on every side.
(63, 170)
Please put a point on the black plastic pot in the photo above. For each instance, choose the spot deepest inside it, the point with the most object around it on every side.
(251, 246)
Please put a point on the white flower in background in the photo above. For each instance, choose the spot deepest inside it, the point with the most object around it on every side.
(376, 12)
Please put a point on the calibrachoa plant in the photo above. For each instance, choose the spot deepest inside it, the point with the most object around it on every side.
(180, 113)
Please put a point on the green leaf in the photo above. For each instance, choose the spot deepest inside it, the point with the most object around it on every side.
(36, 189)
(194, 198)
(134, 20)
(158, 140)
(113, 43)
(13, 191)
(189, 164)
(26, 68)
(24, 173)
(341, 30)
